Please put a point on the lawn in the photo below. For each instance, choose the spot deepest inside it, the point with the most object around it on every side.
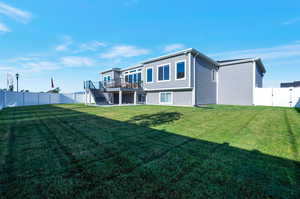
(77, 151)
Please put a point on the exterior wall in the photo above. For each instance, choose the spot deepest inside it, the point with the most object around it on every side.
(110, 73)
(180, 97)
(235, 84)
(172, 83)
(116, 76)
(205, 85)
(258, 78)
(152, 98)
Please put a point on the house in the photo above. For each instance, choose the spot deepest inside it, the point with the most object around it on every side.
(290, 84)
(184, 78)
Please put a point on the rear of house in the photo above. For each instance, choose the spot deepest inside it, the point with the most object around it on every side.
(184, 78)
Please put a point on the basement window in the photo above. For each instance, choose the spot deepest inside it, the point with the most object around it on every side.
(165, 98)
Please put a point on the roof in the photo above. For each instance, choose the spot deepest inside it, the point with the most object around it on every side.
(111, 69)
(132, 67)
(189, 50)
(182, 52)
(194, 52)
(245, 60)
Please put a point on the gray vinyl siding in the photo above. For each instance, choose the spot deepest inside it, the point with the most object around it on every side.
(258, 78)
(173, 83)
(235, 84)
(205, 86)
(152, 98)
(183, 98)
(110, 73)
(180, 97)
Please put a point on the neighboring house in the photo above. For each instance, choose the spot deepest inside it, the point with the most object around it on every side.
(186, 78)
(290, 84)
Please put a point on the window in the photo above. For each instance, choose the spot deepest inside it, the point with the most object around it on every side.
(165, 98)
(149, 75)
(164, 73)
(130, 78)
(139, 77)
(106, 78)
(180, 70)
(133, 78)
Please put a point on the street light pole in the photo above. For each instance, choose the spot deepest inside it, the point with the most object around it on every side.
(17, 77)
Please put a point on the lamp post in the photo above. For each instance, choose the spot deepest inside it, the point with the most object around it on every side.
(17, 77)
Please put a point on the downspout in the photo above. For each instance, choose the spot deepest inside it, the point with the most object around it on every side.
(217, 84)
(194, 81)
(254, 83)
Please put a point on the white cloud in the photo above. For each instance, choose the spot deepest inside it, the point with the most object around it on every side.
(40, 66)
(90, 46)
(6, 68)
(277, 52)
(4, 28)
(173, 47)
(73, 61)
(17, 14)
(67, 41)
(124, 51)
(291, 21)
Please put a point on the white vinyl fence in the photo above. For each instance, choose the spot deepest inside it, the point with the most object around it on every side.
(11, 99)
(285, 97)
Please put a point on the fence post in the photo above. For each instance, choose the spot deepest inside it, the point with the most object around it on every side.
(4, 101)
(291, 97)
(272, 96)
(23, 98)
(38, 98)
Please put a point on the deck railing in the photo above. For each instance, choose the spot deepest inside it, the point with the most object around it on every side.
(119, 83)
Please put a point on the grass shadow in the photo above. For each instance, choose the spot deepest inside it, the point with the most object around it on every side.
(155, 119)
(83, 155)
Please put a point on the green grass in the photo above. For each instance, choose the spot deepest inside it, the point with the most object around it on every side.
(76, 151)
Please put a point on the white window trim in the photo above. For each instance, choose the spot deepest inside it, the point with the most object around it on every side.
(165, 103)
(158, 66)
(147, 75)
(184, 78)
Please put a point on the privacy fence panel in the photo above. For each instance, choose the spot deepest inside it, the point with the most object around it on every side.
(284, 97)
(11, 99)
(31, 99)
(44, 98)
(1, 100)
(67, 98)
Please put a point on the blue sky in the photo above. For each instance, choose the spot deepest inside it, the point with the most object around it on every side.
(72, 41)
